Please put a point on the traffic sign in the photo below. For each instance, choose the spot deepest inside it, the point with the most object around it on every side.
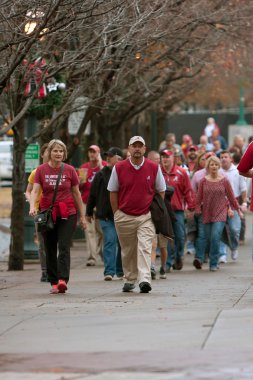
(32, 157)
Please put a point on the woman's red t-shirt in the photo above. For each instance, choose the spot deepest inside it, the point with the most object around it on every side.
(46, 177)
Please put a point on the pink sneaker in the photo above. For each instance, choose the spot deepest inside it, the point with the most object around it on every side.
(62, 286)
(54, 289)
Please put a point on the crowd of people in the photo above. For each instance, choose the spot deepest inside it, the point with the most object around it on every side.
(204, 191)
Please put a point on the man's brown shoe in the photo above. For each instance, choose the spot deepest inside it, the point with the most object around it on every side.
(197, 263)
(178, 265)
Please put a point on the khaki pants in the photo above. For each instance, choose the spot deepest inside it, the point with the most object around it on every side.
(135, 235)
(162, 241)
(94, 238)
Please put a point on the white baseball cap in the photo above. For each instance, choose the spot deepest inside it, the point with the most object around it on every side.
(135, 139)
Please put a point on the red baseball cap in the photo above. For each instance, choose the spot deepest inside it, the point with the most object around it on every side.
(95, 148)
(167, 152)
(193, 147)
(209, 154)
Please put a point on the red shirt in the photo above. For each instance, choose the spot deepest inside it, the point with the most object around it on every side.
(191, 165)
(183, 194)
(246, 164)
(85, 187)
(214, 197)
(136, 187)
(46, 177)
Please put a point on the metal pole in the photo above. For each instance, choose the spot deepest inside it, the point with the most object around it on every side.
(30, 248)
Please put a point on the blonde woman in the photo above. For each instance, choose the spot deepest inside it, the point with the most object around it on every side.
(213, 199)
(68, 201)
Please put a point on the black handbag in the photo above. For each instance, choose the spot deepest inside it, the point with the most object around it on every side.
(44, 219)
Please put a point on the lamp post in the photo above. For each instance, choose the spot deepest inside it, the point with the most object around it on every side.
(30, 248)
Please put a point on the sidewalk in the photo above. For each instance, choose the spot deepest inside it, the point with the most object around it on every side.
(193, 325)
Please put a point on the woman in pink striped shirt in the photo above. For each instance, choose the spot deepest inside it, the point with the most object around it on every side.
(213, 199)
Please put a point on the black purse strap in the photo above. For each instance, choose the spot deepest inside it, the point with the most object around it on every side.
(57, 184)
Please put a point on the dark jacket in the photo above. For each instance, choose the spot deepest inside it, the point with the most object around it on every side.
(161, 217)
(167, 200)
(99, 196)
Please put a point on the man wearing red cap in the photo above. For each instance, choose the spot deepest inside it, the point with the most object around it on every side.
(192, 157)
(183, 197)
(87, 173)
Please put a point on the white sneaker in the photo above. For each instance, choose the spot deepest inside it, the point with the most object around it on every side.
(108, 277)
(223, 259)
(191, 251)
(234, 254)
(90, 263)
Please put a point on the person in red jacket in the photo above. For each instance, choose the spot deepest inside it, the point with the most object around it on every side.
(87, 172)
(183, 198)
(245, 168)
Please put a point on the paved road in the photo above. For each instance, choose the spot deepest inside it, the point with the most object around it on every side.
(194, 325)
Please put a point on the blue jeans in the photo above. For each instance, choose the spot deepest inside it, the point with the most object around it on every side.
(111, 249)
(190, 246)
(191, 232)
(200, 243)
(234, 230)
(213, 235)
(179, 232)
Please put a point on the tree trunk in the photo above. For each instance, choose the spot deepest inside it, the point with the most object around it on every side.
(16, 257)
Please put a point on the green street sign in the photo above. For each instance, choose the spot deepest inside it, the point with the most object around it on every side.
(32, 157)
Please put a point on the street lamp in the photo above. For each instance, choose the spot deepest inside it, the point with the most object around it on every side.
(30, 248)
(32, 20)
(30, 26)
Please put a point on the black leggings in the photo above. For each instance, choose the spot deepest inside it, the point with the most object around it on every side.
(60, 237)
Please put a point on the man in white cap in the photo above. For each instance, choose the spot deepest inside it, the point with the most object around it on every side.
(132, 186)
